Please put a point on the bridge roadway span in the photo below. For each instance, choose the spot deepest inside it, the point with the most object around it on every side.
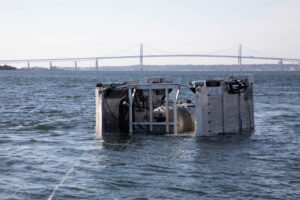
(148, 56)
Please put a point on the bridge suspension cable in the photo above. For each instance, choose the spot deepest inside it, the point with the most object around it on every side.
(207, 53)
(124, 50)
(160, 50)
(234, 47)
(257, 52)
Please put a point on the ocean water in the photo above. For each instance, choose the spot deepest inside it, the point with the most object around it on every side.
(48, 147)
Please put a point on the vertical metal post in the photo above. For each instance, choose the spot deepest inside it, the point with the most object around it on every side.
(100, 127)
(223, 110)
(141, 57)
(167, 111)
(199, 112)
(28, 65)
(75, 65)
(50, 66)
(240, 114)
(177, 94)
(130, 110)
(175, 115)
(249, 113)
(96, 64)
(150, 110)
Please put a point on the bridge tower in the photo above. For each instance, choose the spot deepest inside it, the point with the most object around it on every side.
(240, 57)
(50, 66)
(96, 64)
(141, 57)
(280, 63)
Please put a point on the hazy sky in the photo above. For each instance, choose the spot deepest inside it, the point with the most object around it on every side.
(70, 28)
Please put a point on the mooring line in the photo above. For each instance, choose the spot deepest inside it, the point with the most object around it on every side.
(65, 176)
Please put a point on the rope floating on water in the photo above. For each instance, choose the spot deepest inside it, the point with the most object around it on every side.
(66, 176)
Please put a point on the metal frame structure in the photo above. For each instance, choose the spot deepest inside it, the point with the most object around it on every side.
(131, 92)
(221, 106)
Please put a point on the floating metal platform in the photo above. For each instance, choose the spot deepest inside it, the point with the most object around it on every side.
(216, 106)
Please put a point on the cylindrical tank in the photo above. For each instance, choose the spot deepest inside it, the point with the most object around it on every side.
(185, 117)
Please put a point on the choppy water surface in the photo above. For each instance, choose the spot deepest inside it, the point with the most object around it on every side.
(47, 121)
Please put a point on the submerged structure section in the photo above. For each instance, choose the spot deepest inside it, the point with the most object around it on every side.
(217, 106)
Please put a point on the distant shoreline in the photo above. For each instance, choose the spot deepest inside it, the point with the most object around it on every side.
(7, 67)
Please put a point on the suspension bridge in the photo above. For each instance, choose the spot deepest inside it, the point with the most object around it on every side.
(141, 57)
